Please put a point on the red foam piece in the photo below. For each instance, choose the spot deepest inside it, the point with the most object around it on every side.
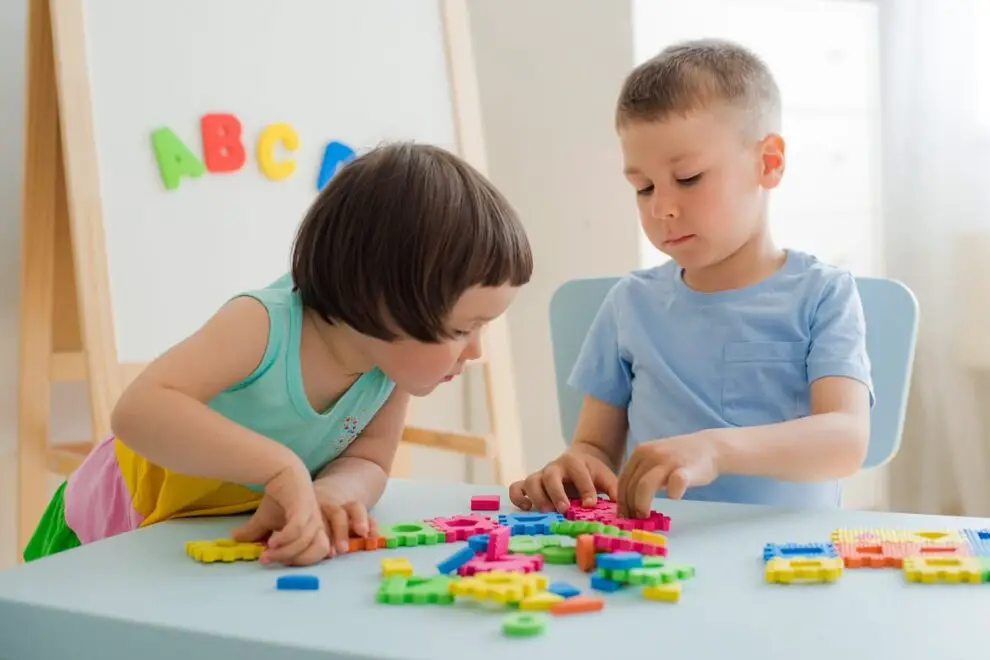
(511, 563)
(655, 522)
(459, 528)
(606, 512)
(485, 503)
(498, 543)
(607, 543)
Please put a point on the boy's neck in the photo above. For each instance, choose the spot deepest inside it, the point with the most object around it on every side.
(756, 260)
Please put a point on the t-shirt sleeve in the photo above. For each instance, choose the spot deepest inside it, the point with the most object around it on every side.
(838, 335)
(601, 370)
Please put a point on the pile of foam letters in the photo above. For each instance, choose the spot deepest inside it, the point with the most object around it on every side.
(923, 556)
(501, 563)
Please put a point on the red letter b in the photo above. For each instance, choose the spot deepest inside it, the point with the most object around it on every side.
(222, 147)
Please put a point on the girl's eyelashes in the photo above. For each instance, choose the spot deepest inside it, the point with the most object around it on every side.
(645, 190)
(689, 181)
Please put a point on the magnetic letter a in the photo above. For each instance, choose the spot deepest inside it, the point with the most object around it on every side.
(222, 147)
(175, 160)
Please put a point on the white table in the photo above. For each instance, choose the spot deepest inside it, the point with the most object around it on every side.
(140, 596)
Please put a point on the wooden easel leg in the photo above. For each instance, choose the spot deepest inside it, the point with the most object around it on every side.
(43, 184)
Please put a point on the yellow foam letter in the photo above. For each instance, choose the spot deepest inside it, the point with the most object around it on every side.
(274, 169)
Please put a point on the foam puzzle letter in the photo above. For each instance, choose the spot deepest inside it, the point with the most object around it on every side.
(334, 156)
(175, 160)
(274, 134)
(223, 150)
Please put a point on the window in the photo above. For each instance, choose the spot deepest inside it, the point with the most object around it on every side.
(981, 69)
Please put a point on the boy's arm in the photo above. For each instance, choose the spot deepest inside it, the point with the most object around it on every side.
(830, 443)
(604, 374)
(360, 473)
(163, 414)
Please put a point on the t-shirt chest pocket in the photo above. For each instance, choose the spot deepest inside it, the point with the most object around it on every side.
(764, 382)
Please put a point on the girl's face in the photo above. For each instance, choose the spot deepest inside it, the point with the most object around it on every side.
(418, 368)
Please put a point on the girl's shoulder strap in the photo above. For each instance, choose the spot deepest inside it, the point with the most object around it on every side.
(281, 300)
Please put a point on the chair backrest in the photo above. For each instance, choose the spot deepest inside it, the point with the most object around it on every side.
(891, 312)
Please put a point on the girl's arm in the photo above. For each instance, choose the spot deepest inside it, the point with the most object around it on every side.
(163, 414)
(361, 472)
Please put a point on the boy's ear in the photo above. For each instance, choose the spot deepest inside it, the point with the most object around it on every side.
(772, 160)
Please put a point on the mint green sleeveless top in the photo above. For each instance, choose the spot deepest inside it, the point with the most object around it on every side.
(272, 401)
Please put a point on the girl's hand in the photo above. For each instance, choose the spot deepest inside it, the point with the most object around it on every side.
(573, 474)
(343, 519)
(303, 539)
(672, 464)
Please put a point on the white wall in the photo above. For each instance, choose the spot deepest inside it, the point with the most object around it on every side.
(548, 93)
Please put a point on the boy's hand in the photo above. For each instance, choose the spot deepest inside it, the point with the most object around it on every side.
(672, 464)
(343, 519)
(573, 474)
(302, 540)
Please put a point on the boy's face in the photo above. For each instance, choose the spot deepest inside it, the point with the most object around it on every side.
(418, 368)
(700, 187)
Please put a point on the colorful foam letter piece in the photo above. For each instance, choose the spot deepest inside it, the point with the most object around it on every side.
(843, 535)
(530, 523)
(521, 624)
(336, 155)
(174, 158)
(416, 590)
(577, 605)
(667, 593)
(504, 564)
(460, 528)
(223, 150)
(601, 583)
(396, 566)
(564, 590)
(605, 543)
(803, 569)
(500, 586)
(559, 554)
(620, 561)
(360, 543)
(485, 503)
(275, 134)
(456, 560)
(498, 543)
(225, 550)
(297, 583)
(787, 550)
(540, 601)
(410, 534)
(929, 570)
(979, 541)
(875, 554)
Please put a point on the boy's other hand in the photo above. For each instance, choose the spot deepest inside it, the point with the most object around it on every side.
(575, 474)
(672, 464)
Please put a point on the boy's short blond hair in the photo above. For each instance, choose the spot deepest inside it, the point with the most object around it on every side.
(699, 74)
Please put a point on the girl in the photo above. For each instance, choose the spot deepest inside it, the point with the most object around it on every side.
(291, 400)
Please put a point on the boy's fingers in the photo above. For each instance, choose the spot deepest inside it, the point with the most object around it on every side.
(553, 485)
(517, 495)
(584, 482)
(536, 494)
(606, 480)
(678, 482)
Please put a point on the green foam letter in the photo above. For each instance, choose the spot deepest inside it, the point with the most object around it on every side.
(175, 160)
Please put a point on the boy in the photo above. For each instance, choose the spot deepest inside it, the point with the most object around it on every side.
(737, 371)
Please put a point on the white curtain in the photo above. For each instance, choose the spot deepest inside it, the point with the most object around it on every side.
(935, 127)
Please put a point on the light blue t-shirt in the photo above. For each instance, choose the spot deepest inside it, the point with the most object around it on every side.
(682, 361)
